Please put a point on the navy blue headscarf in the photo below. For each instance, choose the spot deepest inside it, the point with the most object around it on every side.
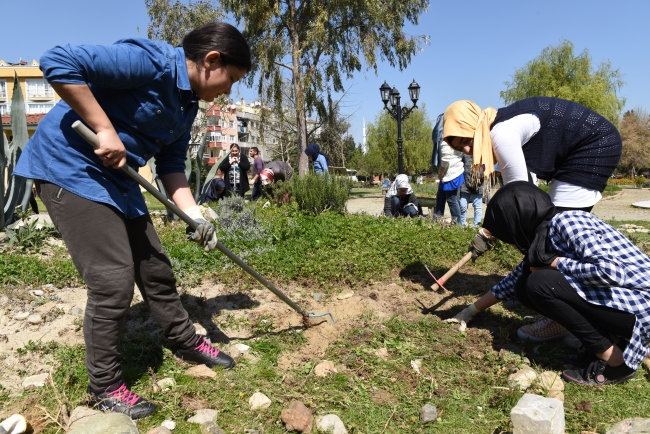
(313, 151)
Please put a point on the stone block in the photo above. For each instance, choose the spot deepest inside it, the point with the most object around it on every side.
(535, 414)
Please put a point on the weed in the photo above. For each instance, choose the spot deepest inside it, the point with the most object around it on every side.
(38, 347)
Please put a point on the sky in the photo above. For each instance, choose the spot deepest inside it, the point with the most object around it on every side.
(475, 46)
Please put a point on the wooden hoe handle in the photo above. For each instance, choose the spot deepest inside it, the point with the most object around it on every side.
(452, 271)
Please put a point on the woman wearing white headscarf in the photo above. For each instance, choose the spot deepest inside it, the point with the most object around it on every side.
(400, 199)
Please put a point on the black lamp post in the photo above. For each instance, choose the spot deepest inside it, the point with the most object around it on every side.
(398, 112)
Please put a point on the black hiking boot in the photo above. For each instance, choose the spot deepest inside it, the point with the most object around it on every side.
(202, 353)
(117, 398)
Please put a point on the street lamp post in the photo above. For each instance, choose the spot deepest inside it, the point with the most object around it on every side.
(398, 112)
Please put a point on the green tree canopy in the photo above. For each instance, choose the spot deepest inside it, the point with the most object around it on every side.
(318, 43)
(636, 141)
(171, 20)
(558, 72)
(382, 143)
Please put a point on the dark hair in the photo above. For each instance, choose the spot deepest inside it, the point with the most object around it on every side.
(221, 37)
(233, 145)
(257, 151)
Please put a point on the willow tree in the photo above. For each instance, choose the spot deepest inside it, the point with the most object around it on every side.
(317, 44)
(560, 73)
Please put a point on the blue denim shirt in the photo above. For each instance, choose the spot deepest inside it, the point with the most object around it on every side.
(144, 88)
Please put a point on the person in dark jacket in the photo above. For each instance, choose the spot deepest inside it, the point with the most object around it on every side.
(273, 172)
(258, 165)
(234, 169)
(400, 199)
(216, 191)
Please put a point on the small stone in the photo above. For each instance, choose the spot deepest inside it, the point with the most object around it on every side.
(536, 414)
(35, 319)
(14, 424)
(416, 365)
(200, 371)
(242, 348)
(550, 380)
(318, 296)
(324, 368)
(556, 394)
(259, 401)
(200, 330)
(331, 423)
(21, 316)
(429, 413)
(204, 416)
(36, 293)
(522, 379)
(373, 296)
(382, 353)
(107, 423)
(345, 295)
(159, 430)
(297, 417)
(169, 424)
(35, 381)
(80, 415)
(510, 352)
(166, 384)
(76, 311)
(211, 428)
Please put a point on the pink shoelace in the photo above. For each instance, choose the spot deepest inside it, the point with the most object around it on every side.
(204, 347)
(124, 395)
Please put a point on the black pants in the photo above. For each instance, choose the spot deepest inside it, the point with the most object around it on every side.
(550, 294)
(112, 253)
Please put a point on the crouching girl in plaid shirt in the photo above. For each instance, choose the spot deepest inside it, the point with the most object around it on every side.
(578, 271)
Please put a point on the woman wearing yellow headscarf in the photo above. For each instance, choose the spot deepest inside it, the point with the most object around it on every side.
(572, 147)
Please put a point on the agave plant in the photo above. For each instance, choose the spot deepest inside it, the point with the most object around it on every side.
(18, 189)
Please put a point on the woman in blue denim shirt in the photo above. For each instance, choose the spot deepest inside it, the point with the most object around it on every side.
(141, 98)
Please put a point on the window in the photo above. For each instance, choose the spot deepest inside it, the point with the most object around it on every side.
(39, 88)
(39, 108)
(3, 88)
(214, 136)
(4, 109)
(232, 139)
(231, 124)
(225, 139)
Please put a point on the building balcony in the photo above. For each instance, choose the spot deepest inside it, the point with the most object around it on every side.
(215, 144)
(211, 161)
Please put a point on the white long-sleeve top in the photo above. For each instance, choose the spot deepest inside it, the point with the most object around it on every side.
(452, 161)
(508, 139)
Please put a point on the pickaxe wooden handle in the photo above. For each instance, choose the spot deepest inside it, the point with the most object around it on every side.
(451, 271)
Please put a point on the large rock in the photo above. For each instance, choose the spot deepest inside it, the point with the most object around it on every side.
(429, 413)
(81, 415)
(535, 414)
(637, 425)
(331, 423)
(211, 428)
(297, 417)
(108, 423)
(259, 400)
(550, 380)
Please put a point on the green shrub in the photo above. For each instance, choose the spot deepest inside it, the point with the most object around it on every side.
(315, 194)
(639, 181)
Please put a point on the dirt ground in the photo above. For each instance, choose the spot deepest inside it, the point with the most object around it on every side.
(228, 314)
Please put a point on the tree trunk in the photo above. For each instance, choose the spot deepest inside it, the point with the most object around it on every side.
(301, 120)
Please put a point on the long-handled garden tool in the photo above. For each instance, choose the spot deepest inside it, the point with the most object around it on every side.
(91, 138)
(440, 282)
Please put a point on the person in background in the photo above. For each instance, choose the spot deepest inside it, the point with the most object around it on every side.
(471, 191)
(141, 98)
(216, 191)
(451, 177)
(419, 180)
(400, 199)
(579, 271)
(258, 165)
(572, 147)
(273, 172)
(234, 171)
(321, 161)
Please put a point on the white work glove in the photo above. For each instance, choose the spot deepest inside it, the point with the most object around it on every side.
(204, 233)
(463, 317)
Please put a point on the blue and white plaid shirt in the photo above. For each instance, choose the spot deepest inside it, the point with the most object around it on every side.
(604, 267)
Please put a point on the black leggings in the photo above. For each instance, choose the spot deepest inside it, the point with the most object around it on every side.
(550, 294)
